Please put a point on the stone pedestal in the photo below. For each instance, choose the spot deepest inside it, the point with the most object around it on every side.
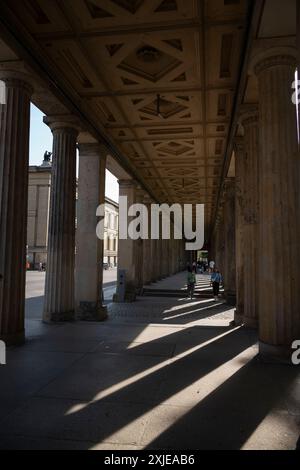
(279, 228)
(249, 120)
(89, 248)
(239, 228)
(14, 161)
(59, 287)
(229, 229)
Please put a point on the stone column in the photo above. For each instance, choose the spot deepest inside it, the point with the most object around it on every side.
(279, 228)
(249, 120)
(59, 304)
(89, 248)
(172, 256)
(139, 247)
(229, 233)
(158, 255)
(147, 247)
(130, 254)
(14, 161)
(154, 260)
(220, 242)
(239, 231)
(298, 38)
(166, 258)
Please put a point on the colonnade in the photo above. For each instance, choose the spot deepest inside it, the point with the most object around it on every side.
(150, 259)
(264, 248)
(255, 242)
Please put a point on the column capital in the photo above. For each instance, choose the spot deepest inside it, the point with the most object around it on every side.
(63, 121)
(249, 114)
(273, 57)
(92, 150)
(17, 79)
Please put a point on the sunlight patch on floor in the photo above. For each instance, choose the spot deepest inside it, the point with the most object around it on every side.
(135, 378)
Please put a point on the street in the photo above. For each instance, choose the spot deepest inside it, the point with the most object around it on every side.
(35, 282)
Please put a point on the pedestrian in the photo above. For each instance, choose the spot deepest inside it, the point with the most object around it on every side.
(211, 266)
(191, 281)
(216, 280)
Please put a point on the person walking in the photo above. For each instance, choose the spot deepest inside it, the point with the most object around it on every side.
(191, 281)
(216, 280)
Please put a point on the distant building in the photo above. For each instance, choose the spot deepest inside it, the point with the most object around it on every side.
(38, 218)
(38, 213)
(111, 224)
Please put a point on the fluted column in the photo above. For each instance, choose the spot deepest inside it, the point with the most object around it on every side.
(89, 248)
(279, 229)
(249, 120)
(220, 242)
(239, 232)
(298, 38)
(154, 260)
(158, 258)
(14, 160)
(166, 258)
(129, 251)
(147, 247)
(229, 233)
(139, 248)
(59, 302)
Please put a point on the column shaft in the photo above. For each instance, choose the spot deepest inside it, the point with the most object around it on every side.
(59, 287)
(229, 254)
(239, 224)
(89, 248)
(249, 121)
(147, 250)
(14, 161)
(130, 251)
(279, 229)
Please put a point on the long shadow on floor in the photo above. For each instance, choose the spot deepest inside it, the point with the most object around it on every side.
(229, 415)
(176, 313)
(34, 308)
(120, 409)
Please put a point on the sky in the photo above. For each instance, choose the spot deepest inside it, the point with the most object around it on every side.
(41, 140)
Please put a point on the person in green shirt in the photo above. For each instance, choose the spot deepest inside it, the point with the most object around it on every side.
(191, 281)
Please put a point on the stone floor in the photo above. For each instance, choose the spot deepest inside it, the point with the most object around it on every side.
(161, 373)
(178, 282)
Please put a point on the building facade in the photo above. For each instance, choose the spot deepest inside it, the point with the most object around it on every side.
(39, 181)
(39, 186)
(111, 232)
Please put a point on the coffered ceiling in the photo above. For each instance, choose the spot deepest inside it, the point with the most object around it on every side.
(159, 76)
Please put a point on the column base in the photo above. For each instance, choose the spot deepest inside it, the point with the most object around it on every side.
(269, 353)
(230, 297)
(128, 298)
(13, 339)
(59, 317)
(251, 322)
(238, 319)
(91, 311)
